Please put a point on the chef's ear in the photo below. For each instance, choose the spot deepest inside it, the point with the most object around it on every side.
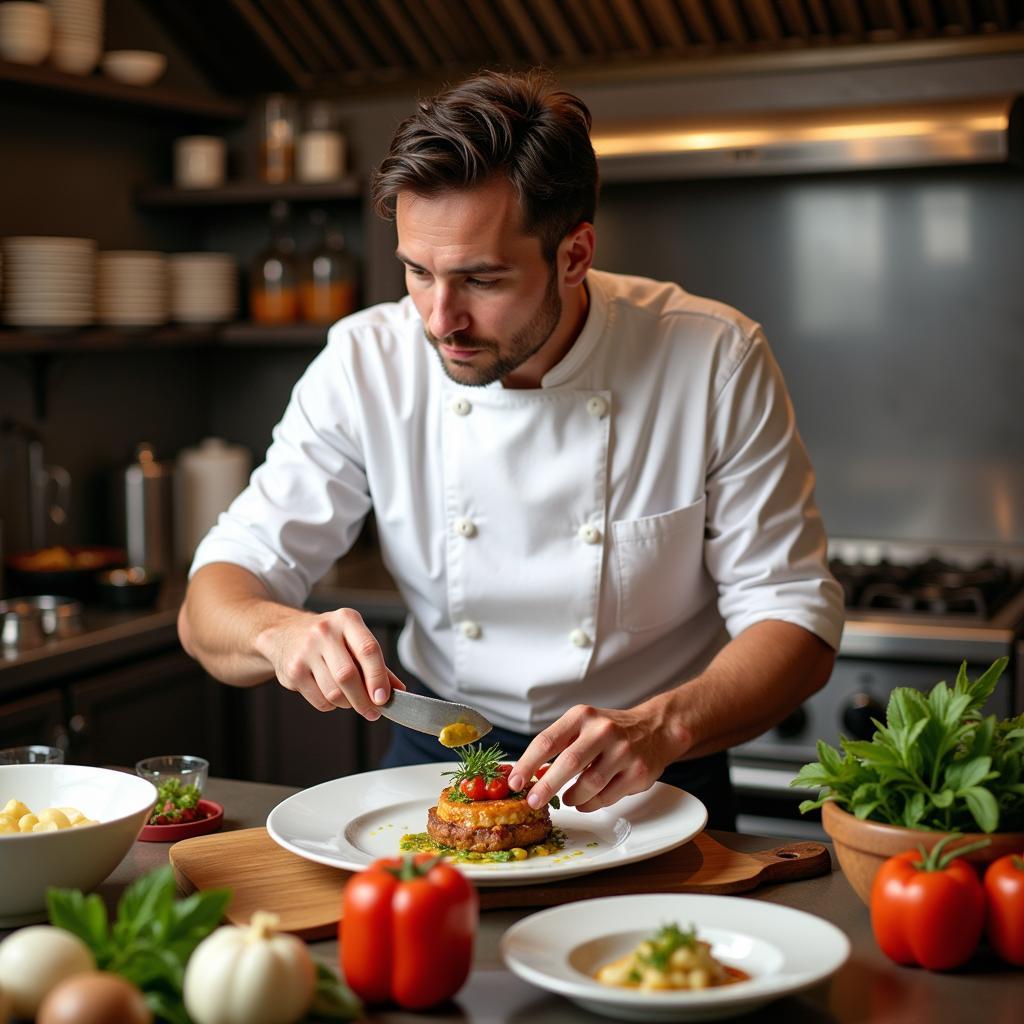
(575, 254)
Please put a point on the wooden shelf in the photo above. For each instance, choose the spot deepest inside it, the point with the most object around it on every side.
(252, 335)
(41, 341)
(250, 193)
(98, 89)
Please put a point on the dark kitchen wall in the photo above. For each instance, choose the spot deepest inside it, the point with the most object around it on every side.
(894, 305)
(893, 300)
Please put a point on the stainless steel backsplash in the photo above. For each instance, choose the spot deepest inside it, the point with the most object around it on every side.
(895, 304)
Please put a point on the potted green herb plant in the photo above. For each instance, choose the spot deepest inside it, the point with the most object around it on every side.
(937, 766)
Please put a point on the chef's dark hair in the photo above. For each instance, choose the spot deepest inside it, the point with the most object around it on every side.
(516, 125)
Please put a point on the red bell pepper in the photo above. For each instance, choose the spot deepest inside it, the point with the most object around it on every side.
(1004, 893)
(407, 930)
(928, 908)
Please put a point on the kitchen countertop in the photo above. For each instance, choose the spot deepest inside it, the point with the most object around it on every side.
(867, 988)
(111, 635)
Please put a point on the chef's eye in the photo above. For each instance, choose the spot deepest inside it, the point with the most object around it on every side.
(477, 282)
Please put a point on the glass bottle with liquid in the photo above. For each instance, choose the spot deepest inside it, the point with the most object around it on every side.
(273, 290)
(277, 151)
(329, 276)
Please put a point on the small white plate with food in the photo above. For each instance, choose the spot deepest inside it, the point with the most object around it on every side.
(673, 957)
(350, 822)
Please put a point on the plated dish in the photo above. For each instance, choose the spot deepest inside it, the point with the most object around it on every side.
(350, 822)
(782, 950)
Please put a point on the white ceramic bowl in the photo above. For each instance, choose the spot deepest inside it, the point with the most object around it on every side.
(74, 858)
(25, 32)
(135, 67)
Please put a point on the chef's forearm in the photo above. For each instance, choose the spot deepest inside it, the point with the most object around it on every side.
(753, 683)
(224, 621)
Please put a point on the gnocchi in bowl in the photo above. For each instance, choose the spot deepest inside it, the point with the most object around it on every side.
(117, 804)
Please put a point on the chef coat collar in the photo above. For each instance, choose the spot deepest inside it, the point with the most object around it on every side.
(578, 355)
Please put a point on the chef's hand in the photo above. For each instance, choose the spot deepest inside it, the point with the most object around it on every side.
(332, 659)
(613, 753)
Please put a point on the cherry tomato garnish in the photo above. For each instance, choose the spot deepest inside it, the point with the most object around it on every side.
(505, 769)
(474, 788)
(542, 771)
(497, 789)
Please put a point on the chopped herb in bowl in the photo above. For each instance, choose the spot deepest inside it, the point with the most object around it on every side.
(176, 803)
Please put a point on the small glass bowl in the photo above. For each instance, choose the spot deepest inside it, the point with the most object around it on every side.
(35, 754)
(191, 770)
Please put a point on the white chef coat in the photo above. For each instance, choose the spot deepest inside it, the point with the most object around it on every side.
(595, 540)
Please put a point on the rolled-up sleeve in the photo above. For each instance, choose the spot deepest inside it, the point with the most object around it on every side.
(304, 506)
(765, 541)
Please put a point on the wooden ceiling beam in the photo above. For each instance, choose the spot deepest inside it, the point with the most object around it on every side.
(548, 14)
(440, 42)
(607, 26)
(633, 23)
(729, 17)
(302, 34)
(795, 18)
(764, 20)
(579, 14)
(459, 24)
(343, 34)
(820, 18)
(897, 20)
(924, 15)
(523, 24)
(483, 11)
(369, 23)
(849, 18)
(666, 20)
(697, 15)
(396, 18)
(300, 78)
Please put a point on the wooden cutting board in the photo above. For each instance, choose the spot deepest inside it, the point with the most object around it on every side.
(307, 896)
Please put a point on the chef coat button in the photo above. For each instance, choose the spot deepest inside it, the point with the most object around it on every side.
(471, 630)
(461, 406)
(465, 527)
(597, 406)
(579, 638)
(589, 534)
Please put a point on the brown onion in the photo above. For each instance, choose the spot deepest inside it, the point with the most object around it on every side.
(94, 997)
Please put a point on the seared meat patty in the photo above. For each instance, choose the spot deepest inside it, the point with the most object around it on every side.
(489, 839)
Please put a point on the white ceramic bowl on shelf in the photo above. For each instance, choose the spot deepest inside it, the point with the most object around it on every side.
(134, 67)
(25, 32)
(72, 858)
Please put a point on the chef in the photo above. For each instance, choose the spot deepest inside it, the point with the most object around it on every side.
(589, 488)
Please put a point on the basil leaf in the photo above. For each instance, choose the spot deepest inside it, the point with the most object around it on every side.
(983, 807)
(84, 916)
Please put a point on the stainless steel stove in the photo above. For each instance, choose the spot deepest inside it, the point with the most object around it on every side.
(914, 612)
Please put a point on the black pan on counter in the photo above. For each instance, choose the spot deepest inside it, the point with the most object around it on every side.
(63, 571)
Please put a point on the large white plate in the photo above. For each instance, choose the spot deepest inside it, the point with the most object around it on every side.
(783, 950)
(349, 822)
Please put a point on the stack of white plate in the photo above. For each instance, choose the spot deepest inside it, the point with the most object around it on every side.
(49, 282)
(204, 287)
(77, 34)
(131, 288)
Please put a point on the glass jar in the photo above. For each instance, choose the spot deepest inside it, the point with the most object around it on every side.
(329, 276)
(277, 153)
(273, 288)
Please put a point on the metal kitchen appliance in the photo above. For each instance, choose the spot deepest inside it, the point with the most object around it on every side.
(914, 612)
(146, 506)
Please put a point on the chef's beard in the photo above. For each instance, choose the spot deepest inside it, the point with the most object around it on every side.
(523, 345)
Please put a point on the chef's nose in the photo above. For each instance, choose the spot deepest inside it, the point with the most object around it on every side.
(446, 316)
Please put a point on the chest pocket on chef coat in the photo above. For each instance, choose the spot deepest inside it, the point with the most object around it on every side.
(658, 562)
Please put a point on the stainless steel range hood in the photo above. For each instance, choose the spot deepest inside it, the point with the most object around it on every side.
(979, 131)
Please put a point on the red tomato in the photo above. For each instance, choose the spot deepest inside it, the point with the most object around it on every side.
(496, 789)
(505, 769)
(928, 909)
(406, 933)
(1004, 892)
(474, 788)
(542, 771)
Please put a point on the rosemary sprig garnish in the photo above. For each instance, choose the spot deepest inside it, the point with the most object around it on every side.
(477, 761)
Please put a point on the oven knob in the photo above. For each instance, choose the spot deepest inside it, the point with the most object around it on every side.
(857, 715)
(793, 724)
